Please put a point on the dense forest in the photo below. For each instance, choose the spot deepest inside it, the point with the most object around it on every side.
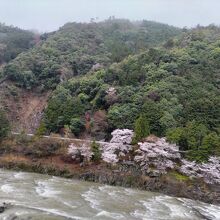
(13, 41)
(175, 87)
(119, 74)
(77, 48)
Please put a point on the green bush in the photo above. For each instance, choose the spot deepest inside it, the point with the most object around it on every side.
(4, 125)
(96, 151)
(76, 126)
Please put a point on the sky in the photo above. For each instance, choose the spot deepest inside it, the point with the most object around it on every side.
(49, 15)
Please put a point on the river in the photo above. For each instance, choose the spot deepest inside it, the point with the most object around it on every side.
(42, 197)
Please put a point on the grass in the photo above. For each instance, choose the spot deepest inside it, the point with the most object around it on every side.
(179, 176)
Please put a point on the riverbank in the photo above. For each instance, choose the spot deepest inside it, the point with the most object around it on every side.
(125, 175)
(57, 157)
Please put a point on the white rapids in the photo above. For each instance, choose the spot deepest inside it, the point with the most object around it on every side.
(42, 197)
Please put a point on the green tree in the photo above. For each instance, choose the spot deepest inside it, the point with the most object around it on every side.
(141, 129)
(96, 151)
(194, 133)
(42, 129)
(153, 113)
(177, 135)
(4, 125)
(211, 144)
(122, 116)
(76, 126)
(195, 139)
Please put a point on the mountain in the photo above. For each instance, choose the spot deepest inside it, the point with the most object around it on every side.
(89, 79)
(13, 41)
(77, 48)
(174, 86)
(72, 51)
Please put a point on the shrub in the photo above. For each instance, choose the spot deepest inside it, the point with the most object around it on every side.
(41, 129)
(96, 151)
(44, 148)
(4, 125)
(76, 126)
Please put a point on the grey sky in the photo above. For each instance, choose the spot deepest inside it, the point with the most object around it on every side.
(48, 15)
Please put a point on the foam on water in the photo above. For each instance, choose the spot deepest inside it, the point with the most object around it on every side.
(19, 175)
(56, 212)
(46, 197)
(164, 208)
(110, 215)
(7, 188)
(45, 190)
(91, 197)
(209, 211)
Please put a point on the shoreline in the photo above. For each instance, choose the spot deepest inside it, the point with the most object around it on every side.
(171, 184)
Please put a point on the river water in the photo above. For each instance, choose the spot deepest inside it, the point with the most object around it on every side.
(42, 197)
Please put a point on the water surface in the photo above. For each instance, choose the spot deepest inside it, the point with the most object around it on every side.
(42, 197)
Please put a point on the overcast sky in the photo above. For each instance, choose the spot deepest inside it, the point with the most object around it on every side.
(48, 15)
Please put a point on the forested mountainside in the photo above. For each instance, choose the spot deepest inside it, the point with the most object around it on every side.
(77, 48)
(13, 41)
(174, 89)
(119, 74)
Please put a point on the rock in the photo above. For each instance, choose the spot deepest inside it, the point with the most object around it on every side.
(2, 209)
(4, 206)
(97, 66)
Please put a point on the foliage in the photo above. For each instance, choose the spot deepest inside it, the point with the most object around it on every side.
(76, 125)
(4, 125)
(77, 48)
(197, 140)
(61, 109)
(127, 69)
(97, 154)
(43, 148)
(176, 88)
(42, 130)
(122, 116)
(179, 176)
(13, 41)
(141, 128)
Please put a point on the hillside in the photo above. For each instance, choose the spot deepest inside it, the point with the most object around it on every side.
(118, 74)
(13, 41)
(74, 50)
(77, 48)
(175, 87)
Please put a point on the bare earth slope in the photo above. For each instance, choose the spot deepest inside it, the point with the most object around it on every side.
(24, 108)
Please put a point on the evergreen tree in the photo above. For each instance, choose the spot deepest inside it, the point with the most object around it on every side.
(142, 128)
(4, 125)
(96, 151)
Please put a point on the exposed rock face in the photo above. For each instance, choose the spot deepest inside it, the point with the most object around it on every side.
(111, 95)
(97, 66)
(157, 157)
(25, 110)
